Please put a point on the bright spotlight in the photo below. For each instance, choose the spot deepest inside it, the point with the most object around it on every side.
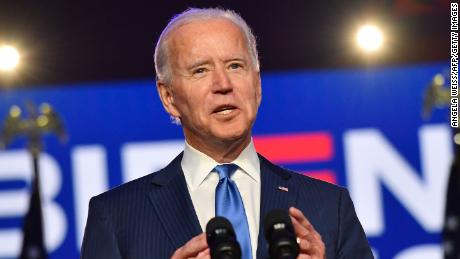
(9, 58)
(369, 38)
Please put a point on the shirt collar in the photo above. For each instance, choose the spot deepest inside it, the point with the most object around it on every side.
(197, 165)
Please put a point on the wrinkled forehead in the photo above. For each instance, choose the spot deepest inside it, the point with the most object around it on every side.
(195, 36)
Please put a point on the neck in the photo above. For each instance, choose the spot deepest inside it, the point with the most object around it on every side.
(222, 151)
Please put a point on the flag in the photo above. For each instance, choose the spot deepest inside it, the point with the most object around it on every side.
(33, 243)
(451, 230)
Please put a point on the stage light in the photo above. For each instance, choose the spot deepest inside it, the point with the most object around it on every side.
(369, 38)
(9, 58)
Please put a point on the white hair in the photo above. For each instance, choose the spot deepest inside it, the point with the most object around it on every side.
(162, 55)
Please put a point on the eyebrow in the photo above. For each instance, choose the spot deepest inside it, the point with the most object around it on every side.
(197, 64)
(205, 62)
(236, 59)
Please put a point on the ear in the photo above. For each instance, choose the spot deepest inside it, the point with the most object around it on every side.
(258, 89)
(167, 99)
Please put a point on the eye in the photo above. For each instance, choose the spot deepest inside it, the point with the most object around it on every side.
(235, 65)
(199, 70)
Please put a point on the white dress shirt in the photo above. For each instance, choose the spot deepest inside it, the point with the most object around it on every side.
(202, 182)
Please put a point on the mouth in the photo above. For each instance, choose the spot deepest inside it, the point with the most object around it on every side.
(224, 109)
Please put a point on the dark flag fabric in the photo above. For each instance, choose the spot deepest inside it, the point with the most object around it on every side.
(451, 231)
(33, 243)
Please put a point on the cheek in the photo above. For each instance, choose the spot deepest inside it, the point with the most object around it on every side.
(253, 97)
(190, 99)
(197, 106)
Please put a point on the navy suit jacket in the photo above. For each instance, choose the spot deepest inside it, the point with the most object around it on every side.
(149, 218)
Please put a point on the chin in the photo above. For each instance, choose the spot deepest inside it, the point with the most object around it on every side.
(231, 134)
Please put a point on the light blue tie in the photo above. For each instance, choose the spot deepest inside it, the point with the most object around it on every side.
(230, 205)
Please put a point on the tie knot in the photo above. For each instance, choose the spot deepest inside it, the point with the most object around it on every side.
(225, 170)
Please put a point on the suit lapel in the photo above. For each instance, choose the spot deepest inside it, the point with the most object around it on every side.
(277, 192)
(174, 207)
(173, 204)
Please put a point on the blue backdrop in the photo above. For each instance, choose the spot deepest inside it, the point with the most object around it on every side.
(358, 128)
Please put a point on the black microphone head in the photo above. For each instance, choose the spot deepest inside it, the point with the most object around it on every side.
(222, 240)
(219, 224)
(277, 219)
(279, 232)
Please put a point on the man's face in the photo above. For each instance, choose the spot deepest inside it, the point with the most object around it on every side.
(215, 88)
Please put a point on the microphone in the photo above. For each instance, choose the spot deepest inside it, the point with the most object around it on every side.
(222, 240)
(279, 233)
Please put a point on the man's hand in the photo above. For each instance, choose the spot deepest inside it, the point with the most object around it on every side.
(196, 247)
(311, 245)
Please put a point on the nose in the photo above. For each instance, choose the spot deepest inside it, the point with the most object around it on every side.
(221, 81)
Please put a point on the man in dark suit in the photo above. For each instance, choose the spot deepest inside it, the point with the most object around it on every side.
(208, 80)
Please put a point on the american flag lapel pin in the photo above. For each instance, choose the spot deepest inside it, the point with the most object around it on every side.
(282, 188)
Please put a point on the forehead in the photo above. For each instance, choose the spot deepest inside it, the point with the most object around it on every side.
(207, 37)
